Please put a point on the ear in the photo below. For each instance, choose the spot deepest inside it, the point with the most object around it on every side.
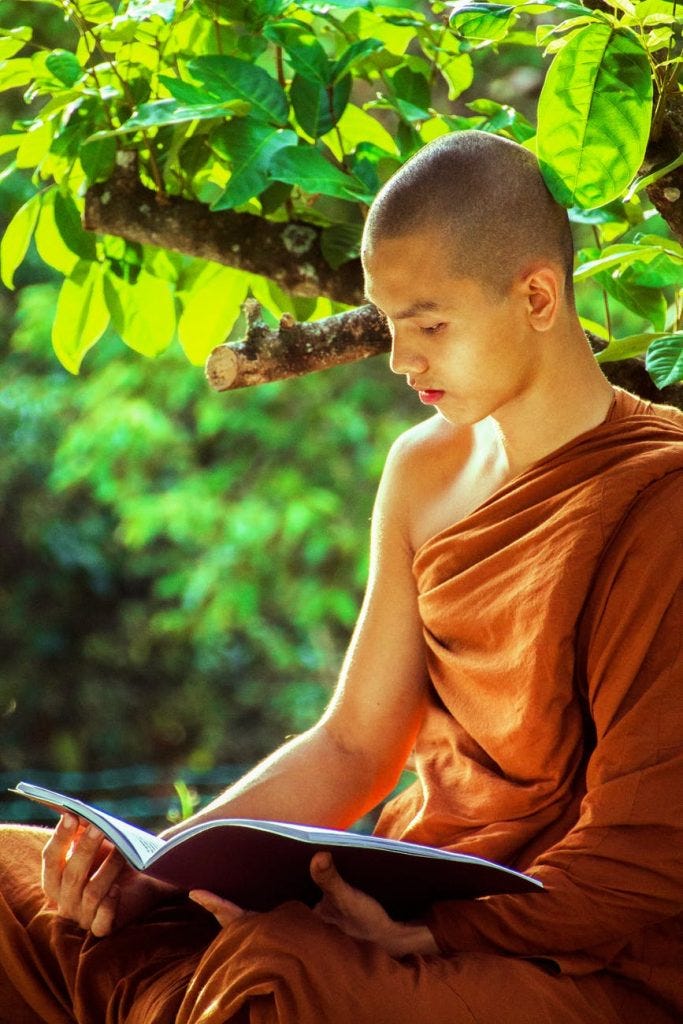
(543, 291)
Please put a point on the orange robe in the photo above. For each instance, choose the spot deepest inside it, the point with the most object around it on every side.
(553, 620)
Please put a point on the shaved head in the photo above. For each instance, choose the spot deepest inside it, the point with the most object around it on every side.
(485, 197)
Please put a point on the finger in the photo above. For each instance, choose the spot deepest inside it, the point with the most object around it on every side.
(77, 872)
(326, 876)
(103, 920)
(54, 855)
(96, 890)
(224, 911)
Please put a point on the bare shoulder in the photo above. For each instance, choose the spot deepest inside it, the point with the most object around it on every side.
(422, 474)
(432, 447)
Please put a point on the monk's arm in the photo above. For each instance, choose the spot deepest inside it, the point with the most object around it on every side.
(619, 869)
(350, 760)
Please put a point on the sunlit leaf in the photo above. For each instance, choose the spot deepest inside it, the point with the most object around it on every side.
(13, 39)
(249, 146)
(304, 52)
(481, 22)
(648, 303)
(618, 256)
(354, 55)
(210, 311)
(318, 107)
(664, 360)
(17, 237)
(15, 73)
(356, 126)
(234, 79)
(81, 317)
(306, 167)
(625, 348)
(160, 113)
(186, 92)
(142, 314)
(594, 116)
(141, 10)
(50, 244)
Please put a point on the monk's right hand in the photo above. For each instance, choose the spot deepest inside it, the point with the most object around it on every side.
(87, 881)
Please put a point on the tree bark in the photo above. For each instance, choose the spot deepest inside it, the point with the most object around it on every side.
(287, 253)
(292, 349)
(666, 194)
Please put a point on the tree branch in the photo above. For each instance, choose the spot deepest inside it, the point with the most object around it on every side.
(292, 349)
(287, 253)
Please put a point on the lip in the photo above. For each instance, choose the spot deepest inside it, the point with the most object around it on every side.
(430, 396)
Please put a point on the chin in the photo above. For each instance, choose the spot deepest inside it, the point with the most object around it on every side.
(461, 415)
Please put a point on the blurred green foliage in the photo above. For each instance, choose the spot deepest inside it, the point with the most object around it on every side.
(179, 572)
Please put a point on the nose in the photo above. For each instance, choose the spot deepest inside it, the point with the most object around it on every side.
(405, 359)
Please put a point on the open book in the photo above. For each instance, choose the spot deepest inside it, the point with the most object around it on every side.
(259, 864)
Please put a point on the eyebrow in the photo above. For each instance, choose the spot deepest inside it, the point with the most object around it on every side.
(421, 306)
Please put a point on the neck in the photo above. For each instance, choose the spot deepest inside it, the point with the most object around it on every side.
(570, 396)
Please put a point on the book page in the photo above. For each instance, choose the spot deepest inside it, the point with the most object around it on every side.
(136, 845)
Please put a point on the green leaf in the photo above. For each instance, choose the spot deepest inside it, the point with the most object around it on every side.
(68, 221)
(306, 167)
(249, 146)
(355, 127)
(210, 311)
(649, 179)
(98, 157)
(594, 116)
(625, 348)
(413, 95)
(187, 93)
(15, 73)
(96, 11)
(65, 66)
(318, 107)
(648, 303)
(13, 39)
(142, 314)
(664, 360)
(458, 73)
(142, 10)
(233, 79)
(621, 256)
(303, 50)
(160, 113)
(17, 238)
(353, 55)
(81, 317)
(661, 272)
(341, 243)
(481, 22)
(51, 247)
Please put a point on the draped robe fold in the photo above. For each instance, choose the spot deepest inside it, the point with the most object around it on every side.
(552, 620)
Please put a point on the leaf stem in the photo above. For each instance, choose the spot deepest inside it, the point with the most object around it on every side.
(605, 297)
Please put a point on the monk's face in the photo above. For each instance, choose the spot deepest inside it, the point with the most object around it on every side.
(467, 349)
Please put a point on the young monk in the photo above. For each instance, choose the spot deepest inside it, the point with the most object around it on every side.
(521, 634)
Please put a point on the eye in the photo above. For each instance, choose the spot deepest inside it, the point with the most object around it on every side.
(435, 329)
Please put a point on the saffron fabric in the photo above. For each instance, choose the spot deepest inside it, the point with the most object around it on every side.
(552, 742)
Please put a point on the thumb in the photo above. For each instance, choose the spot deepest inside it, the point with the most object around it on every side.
(326, 876)
(224, 911)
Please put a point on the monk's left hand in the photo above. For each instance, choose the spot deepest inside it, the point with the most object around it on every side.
(362, 917)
